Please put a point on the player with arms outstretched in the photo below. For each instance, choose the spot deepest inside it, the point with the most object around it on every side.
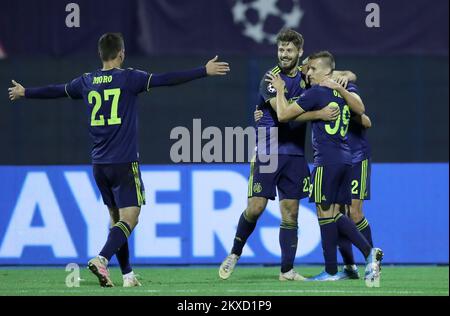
(110, 95)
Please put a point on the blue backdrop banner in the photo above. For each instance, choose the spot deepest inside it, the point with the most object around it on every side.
(54, 215)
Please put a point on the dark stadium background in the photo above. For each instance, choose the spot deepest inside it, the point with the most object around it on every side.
(402, 72)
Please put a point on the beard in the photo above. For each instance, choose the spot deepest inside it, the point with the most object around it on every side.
(287, 65)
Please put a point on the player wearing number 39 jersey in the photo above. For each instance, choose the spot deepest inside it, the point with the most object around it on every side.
(331, 177)
(110, 96)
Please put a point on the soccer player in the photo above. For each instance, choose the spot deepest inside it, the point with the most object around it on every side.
(291, 177)
(360, 186)
(360, 180)
(110, 95)
(331, 177)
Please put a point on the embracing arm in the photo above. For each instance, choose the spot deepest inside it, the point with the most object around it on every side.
(363, 120)
(285, 111)
(328, 113)
(343, 77)
(353, 100)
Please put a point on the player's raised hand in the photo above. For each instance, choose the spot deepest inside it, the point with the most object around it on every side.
(17, 91)
(330, 83)
(329, 113)
(217, 68)
(258, 114)
(276, 81)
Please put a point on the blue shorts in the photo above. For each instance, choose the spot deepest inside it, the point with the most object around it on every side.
(120, 184)
(331, 185)
(361, 180)
(291, 178)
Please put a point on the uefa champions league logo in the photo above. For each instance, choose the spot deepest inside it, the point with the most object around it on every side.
(262, 19)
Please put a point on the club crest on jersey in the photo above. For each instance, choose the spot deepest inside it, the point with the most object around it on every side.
(302, 84)
(270, 88)
(257, 187)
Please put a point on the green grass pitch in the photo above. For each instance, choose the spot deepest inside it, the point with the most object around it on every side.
(204, 281)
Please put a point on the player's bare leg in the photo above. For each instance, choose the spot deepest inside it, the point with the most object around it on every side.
(246, 225)
(356, 213)
(289, 239)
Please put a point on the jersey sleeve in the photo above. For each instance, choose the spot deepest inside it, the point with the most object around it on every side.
(139, 81)
(266, 90)
(74, 88)
(307, 100)
(351, 87)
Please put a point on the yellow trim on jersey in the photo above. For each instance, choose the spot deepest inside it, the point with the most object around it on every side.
(276, 70)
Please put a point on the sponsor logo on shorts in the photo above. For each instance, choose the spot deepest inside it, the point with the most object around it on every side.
(257, 187)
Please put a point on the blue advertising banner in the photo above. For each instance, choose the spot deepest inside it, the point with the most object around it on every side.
(55, 215)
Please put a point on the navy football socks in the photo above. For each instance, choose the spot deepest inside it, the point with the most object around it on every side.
(288, 243)
(346, 250)
(118, 236)
(244, 230)
(348, 229)
(364, 227)
(329, 234)
(123, 256)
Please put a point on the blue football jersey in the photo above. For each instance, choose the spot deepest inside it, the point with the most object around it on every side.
(110, 97)
(329, 139)
(291, 135)
(357, 138)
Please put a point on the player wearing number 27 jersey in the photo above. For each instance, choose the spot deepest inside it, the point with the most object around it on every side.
(110, 95)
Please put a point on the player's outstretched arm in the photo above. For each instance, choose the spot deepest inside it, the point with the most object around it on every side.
(353, 100)
(48, 92)
(212, 68)
(16, 92)
(217, 68)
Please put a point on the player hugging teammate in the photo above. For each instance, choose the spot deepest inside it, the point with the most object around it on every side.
(341, 177)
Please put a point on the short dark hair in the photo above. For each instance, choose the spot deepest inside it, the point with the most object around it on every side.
(109, 45)
(289, 35)
(329, 58)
